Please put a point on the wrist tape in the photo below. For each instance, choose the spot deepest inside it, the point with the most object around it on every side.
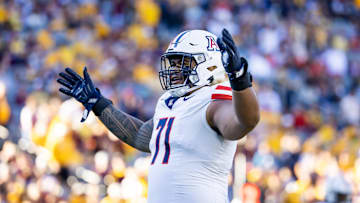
(240, 83)
(100, 105)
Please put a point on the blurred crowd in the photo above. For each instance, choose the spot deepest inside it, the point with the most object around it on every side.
(304, 56)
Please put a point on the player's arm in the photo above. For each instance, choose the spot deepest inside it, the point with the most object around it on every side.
(234, 119)
(129, 129)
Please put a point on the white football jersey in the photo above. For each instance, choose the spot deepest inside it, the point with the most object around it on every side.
(190, 162)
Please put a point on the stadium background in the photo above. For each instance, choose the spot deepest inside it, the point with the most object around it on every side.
(304, 55)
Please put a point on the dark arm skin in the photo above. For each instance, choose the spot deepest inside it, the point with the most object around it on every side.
(234, 119)
(127, 128)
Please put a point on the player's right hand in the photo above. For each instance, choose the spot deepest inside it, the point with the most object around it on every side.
(82, 89)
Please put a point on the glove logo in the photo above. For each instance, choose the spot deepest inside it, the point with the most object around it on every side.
(212, 46)
(82, 89)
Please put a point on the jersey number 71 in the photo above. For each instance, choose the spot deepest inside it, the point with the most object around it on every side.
(160, 127)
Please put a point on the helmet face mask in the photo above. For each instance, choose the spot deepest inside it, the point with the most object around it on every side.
(177, 70)
(192, 59)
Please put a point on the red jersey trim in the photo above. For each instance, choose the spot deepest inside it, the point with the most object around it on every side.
(221, 96)
(221, 87)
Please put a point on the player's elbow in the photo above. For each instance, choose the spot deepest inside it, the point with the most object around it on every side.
(249, 121)
(243, 128)
(250, 125)
(252, 121)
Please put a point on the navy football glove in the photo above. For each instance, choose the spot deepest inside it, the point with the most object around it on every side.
(235, 66)
(82, 89)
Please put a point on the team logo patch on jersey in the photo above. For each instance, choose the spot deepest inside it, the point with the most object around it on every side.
(212, 46)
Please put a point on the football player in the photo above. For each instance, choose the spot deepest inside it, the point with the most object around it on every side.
(208, 105)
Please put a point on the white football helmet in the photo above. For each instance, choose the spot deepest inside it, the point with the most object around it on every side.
(191, 46)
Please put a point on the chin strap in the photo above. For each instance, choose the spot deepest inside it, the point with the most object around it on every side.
(179, 92)
(182, 91)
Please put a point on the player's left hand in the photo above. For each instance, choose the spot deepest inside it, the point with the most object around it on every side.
(234, 65)
(82, 89)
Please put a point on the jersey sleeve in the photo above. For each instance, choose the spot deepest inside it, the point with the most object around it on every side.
(221, 91)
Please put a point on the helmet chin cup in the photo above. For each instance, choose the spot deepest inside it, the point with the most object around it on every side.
(193, 77)
(182, 91)
(179, 92)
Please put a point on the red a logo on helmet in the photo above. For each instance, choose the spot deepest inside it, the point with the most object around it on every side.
(212, 46)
